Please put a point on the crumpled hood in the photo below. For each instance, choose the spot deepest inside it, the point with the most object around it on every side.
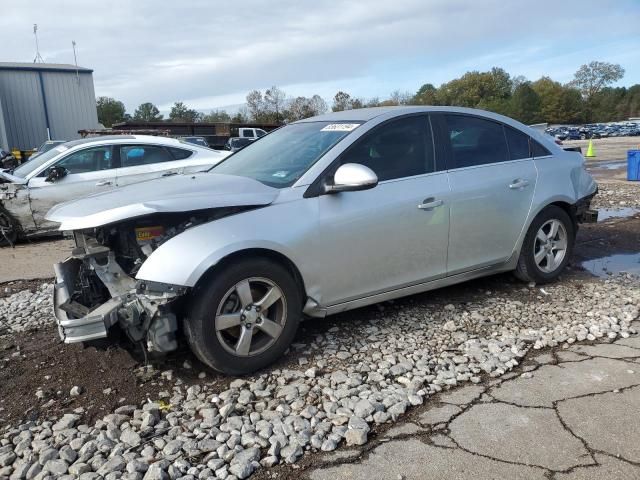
(179, 193)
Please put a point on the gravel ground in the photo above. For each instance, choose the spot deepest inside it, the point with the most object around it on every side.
(617, 195)
(348, 380)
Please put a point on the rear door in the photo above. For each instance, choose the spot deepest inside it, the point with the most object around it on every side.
(493, 178)
(140, 162)
(89, 171)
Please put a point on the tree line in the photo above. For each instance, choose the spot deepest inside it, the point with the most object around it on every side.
(588, 98)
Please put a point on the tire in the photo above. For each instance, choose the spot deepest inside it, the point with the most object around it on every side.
(9, 228)
(528, 269)
(220, 297)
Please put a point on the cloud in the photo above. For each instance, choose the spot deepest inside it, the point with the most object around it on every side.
(210, 53)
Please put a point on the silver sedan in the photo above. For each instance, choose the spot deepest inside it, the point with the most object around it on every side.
(321, 216)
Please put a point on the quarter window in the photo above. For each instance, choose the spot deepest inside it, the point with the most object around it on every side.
(88, 160)
(180, 153)
(397, 149)
(518, 143)
(134, 155)
(475, 141)
(537, 150)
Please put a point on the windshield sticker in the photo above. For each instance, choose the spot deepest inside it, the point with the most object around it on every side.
(281, 174)
(340, 127)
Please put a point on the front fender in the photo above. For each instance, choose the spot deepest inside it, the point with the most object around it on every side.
(183, 259)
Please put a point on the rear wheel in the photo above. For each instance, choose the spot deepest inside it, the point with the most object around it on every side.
(547, 246)
(8, 228)
(244, 317)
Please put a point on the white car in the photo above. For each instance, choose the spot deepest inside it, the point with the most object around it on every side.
(82, 167)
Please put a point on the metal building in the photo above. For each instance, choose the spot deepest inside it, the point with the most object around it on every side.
(44, 101)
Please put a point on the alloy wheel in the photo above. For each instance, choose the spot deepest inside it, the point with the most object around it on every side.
(251, 316)
(550, 245)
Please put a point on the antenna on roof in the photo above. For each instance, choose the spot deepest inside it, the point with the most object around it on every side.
(75, 59)
(38, 58)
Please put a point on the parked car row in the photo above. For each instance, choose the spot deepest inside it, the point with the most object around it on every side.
(594, 130)
(321, 216)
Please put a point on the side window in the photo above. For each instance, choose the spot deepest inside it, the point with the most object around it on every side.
(180, 153)
(260, 132)
(475, 141)
(537, 150)
(247, 132)
(518, 143)
(134, 155)
(397, 149)
(88, 160)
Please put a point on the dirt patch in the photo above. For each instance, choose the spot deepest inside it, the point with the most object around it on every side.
(31, 260)
(38, 360)
(9, 288)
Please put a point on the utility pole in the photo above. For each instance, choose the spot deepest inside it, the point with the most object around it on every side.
(75, 59)
(38, 58)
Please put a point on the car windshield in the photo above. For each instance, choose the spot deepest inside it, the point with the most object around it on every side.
(33, 164)
(283, 156)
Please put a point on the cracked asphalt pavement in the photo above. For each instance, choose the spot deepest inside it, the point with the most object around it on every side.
(566, 414)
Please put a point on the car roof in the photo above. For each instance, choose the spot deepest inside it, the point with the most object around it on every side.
(367, 114)
(115, 139)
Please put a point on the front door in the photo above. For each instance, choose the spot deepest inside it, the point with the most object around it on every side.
(395, 234)
(492, 186)
(88, 171)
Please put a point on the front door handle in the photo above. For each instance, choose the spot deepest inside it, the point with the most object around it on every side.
(103, 183)
(430, 203)
(518, 183)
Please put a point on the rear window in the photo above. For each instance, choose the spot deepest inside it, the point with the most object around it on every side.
(475, 141)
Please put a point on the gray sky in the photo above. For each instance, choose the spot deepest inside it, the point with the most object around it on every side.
(209, 54)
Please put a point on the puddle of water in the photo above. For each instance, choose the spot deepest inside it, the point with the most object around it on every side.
(605, 213)
(604, 266)
(608, 165)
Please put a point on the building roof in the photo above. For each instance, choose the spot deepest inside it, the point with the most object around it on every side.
(43, 67)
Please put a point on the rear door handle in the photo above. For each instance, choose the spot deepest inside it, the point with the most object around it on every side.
(518, 183)
(169, 173)
(430, 203)
(103, 183)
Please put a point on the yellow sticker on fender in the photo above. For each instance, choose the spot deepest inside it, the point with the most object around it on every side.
(144, 234)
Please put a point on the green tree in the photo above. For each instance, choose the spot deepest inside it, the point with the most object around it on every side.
(558, 103)
(525, 104)
(147, 112)
(216, 116)
(591, 78)
(110, 111)
(490, 88)
(426, 95)
(181, 113)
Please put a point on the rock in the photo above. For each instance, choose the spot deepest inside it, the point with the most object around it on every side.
(155, 473)
(114, 464)
(68, 420)
(7, 458)
(79, 468)
(76, 391)
(130, 437)
(56, 467)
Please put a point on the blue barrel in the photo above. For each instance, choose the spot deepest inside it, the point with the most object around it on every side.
(633, 165)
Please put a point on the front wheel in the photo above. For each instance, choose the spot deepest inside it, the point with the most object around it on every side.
(547, 246)
(244, 317)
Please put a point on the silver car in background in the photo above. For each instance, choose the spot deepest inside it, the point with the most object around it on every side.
(321, 216)
(81, 167)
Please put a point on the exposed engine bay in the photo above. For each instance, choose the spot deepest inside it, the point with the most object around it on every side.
(96, 287)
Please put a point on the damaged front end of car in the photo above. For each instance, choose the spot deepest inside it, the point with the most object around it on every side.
(96, 288)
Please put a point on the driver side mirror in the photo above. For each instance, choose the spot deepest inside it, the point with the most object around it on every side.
(352, 177)
(56, 173)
